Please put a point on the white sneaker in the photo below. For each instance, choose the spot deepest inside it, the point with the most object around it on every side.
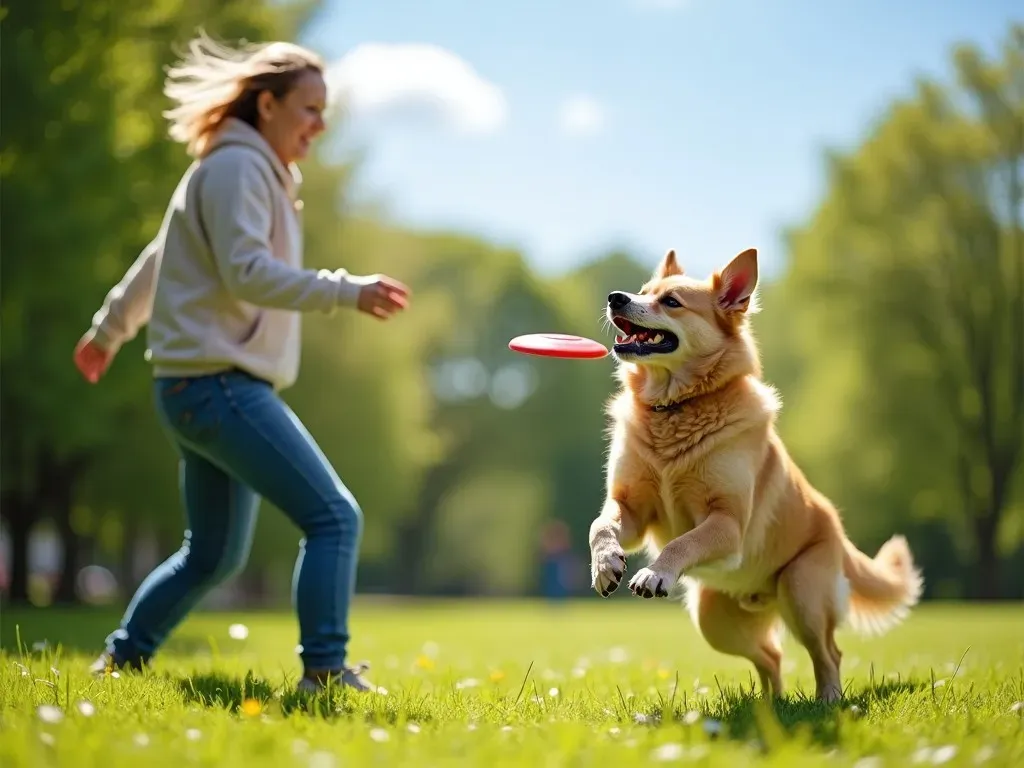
(107, 663)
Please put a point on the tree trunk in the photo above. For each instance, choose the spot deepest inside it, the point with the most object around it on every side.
(66, 592)
(987, 585)
(411, 550)
(57, 492)
(413, 538)
(19, 527)
(126, 563)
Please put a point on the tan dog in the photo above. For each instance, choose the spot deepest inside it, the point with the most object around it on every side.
(698, 476)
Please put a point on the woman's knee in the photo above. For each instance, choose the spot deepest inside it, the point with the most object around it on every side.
(350, 512)
(210, 565)
(340, 517)
(354, 511)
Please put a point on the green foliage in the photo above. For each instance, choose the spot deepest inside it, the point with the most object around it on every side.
(87, 172)
(906, 301)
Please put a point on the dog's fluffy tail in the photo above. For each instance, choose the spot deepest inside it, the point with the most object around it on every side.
(883, 589)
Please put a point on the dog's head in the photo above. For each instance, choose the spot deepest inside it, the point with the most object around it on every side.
(675, 320)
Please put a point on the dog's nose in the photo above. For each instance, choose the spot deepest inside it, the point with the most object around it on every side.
(617, 299)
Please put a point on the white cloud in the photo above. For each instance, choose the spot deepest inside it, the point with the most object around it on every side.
(416, 79)
(581, 115)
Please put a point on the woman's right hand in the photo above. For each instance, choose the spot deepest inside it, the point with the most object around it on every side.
(382, 297)
(91, 359)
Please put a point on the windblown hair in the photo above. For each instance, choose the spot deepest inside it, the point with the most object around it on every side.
(213, 82)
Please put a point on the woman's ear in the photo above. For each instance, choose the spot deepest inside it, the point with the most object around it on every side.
(265, 105)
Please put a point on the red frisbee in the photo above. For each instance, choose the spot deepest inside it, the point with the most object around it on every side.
(558, 345)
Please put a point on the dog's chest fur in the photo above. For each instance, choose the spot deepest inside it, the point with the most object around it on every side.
(675, 446)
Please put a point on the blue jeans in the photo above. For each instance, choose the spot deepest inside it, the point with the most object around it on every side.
(238, 442)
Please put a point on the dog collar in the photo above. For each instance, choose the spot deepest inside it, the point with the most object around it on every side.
(668, 406)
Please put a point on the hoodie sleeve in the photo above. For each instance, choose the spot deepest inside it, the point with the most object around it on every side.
(128, 304)
(236, 205)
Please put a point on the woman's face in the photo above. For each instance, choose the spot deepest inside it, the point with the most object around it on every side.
(291, 123)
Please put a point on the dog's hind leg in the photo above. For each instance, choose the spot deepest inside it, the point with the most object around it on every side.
(730, 628)
(811, 596)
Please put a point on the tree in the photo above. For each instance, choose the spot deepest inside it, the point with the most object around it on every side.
(87, 171)
(911, 277)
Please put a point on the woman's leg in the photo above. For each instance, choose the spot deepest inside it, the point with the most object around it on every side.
(240, 424)
(221, 516)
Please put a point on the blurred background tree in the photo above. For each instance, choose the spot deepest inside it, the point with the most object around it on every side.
(896, 337)
(905, 295)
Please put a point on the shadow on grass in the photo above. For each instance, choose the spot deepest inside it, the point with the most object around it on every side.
(228, 692)
(218, 691)
(744, 715)
(822, 723)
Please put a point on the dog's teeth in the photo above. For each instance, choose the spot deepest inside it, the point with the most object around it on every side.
(657, 339)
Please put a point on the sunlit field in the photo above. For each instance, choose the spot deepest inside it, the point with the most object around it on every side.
(621, 682)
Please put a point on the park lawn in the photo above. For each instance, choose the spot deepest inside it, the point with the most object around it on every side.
(590, 683)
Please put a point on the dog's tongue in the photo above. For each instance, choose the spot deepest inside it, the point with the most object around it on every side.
(626, 330)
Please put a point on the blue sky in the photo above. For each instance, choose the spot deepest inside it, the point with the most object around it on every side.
(566, 128)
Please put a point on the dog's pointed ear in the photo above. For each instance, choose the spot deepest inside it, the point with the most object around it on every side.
(668, 266)
(735, 284)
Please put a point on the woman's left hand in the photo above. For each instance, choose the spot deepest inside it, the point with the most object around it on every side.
(383, 296)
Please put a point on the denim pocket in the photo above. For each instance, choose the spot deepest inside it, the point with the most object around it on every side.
(189, 407)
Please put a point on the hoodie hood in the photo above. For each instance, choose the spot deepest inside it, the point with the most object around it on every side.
(235, 131)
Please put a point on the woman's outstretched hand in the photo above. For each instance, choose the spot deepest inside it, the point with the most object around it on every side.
(91, 359)
(382, 297)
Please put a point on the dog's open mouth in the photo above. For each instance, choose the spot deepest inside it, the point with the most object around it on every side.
(637, 340)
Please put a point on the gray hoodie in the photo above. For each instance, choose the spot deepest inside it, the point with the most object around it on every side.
(222, 284)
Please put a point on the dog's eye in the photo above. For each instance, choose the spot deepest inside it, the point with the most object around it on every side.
(671, 301)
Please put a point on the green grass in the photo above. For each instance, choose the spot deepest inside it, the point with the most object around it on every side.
(594, 683)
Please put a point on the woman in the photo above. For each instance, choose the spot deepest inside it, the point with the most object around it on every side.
(222, 287)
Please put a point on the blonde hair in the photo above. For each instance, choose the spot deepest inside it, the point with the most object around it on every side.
(213, 82)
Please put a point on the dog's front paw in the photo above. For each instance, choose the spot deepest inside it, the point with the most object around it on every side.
(648, 583)
(608, 563)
